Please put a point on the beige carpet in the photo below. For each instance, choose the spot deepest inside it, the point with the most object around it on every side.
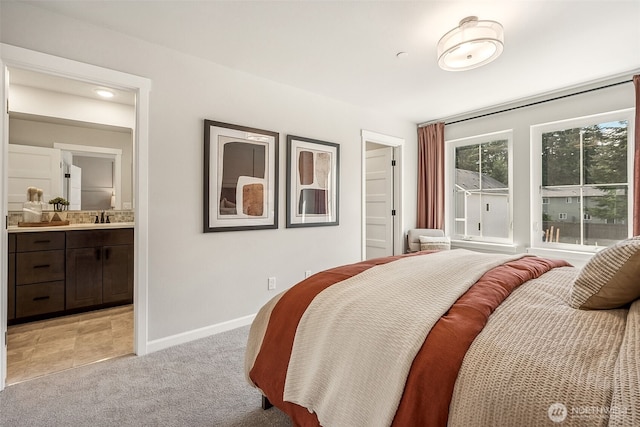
(195, 384)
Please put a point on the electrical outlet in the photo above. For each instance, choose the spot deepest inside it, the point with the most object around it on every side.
(272, 283)
(307, 273)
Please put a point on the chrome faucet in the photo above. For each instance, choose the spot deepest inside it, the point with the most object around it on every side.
(102, 217)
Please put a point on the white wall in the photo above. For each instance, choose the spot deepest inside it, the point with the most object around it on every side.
(610, 99)
(29, 100)
(197, 279)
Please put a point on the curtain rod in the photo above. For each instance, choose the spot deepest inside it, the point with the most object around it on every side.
(532, 103)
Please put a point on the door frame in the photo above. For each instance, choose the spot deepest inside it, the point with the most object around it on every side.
(398, 154)
(16, 57)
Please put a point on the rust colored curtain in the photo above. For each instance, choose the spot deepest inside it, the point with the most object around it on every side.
(636, 162)
(431, 176)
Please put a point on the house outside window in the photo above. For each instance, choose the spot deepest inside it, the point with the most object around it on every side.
(480, 177)
(588, 159)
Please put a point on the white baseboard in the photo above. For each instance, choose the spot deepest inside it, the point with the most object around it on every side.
(207, 331)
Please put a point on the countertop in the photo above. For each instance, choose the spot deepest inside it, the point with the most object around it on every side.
(90, 226)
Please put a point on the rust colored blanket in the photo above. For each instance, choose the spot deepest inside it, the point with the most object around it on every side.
(430, 383)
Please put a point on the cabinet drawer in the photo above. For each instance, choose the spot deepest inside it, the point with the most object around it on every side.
(95, 238)
(40, 241)
(43, 266)
(121, 236)
(40, 298)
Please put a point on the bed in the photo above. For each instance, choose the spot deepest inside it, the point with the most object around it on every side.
(457, 338)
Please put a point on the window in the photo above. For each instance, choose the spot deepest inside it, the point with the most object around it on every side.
(585, 162)
(480, 184)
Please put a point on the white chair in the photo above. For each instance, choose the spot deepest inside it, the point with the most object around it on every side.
(413, 237)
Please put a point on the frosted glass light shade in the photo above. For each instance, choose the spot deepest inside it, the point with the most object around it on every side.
(470, 45)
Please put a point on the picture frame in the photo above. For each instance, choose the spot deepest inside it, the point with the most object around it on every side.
(313, 182)
(240, 178)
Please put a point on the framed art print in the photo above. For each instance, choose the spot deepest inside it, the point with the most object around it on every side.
(313, 182)
(240, 178)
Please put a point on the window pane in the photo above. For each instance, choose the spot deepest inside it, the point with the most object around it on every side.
(607, 208)
(459, 194)
(481, 205)
(561, 157)
(605, 153)
(467, 181)
(561, 220)
(468, 158)
(495, 164)
(495, 213)
(473, 214)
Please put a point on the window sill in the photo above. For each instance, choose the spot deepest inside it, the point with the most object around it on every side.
(575, 258)
(505, 248)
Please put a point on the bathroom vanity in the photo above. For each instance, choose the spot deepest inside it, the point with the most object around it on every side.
(68, 269)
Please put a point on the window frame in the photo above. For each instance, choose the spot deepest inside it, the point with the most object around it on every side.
(450, 179)
(536, 132)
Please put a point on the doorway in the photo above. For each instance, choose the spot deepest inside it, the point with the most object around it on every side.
(14, 57)
(381, 195)
(379, 204)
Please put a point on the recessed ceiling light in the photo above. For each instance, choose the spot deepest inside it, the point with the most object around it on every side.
(104, 93)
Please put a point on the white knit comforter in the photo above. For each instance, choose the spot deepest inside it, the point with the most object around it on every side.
(395, 304)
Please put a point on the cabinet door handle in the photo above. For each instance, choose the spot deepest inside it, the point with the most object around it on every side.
(98, 253)
(41, 298)
(42, 266)
(107, 251)
(42, 241)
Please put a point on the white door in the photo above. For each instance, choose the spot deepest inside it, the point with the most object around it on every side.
(75, 187)
(33, 167)
(379, 202)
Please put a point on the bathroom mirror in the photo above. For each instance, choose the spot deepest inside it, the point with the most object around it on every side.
(69, 141)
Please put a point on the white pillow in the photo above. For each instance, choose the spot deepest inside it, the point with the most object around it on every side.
(429, 243)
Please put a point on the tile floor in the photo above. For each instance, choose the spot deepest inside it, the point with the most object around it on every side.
(47, 346)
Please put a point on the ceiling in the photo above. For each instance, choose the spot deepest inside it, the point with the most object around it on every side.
(347, 49)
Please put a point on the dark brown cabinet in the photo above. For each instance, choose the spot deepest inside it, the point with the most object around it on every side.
(99, 267)
(117, 274)
(84, 277)
(11, 295)
(39, 273)
(52, 273)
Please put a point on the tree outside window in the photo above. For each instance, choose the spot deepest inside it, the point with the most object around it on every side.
(590, 164)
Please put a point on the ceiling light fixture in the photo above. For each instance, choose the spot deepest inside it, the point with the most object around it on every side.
(104, 93)
(470, 45)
